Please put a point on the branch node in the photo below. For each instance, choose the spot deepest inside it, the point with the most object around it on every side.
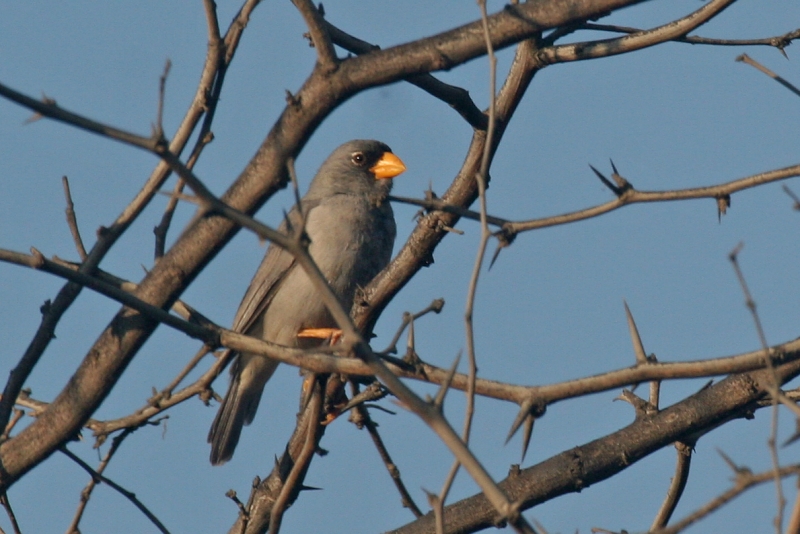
(643, 408)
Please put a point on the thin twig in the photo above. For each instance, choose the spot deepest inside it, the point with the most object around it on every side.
(188, 368)
(634, 196)
(67, 295)
(122, 491)
(437, 204)
(794, 197)
(17, 415)
(457, 97)
(744, 481)
(482, 178)
(162, 94)
(774, 388)
(87, 491)
(37, 261)
(628, 43)
(677, 485)
(794, 519)
(435, 306)
(780, 42)
(363, 419)
(10, 512)
(317, 32)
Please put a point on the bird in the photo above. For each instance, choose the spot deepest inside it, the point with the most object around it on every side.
(350, 227)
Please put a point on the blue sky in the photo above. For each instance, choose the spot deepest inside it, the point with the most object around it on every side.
(551, 309)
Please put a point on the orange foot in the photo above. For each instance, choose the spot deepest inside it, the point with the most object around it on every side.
(334, 334)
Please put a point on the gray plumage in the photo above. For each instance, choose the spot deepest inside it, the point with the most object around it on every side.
(351, 229)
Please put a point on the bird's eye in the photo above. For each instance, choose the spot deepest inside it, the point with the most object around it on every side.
(358, 158)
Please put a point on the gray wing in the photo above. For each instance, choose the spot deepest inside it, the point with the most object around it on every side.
(273, 269)
(250, 373)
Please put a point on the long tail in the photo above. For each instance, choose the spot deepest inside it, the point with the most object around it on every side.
(249, 375)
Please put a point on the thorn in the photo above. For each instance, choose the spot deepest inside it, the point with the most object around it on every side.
(429, 193)
(450, 229)
(288, 221)
(527, 432)
(525, 409)
(411, 340)
(706, 385)
(739, 470)
(622, 183)
(36, 116)
(505, 236)
(614, 189)
(791, 194)
(638, 347)
(495, 255)
(433, 499)
(439, 400)
(291, 99)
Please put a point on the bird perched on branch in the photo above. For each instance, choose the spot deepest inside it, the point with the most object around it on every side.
(351, 229)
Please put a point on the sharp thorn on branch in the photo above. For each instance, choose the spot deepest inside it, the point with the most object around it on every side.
(527, 433)
(524, 410)
(638, 346)
(606, 182)
(438, 402)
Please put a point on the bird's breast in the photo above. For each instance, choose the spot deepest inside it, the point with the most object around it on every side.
(351, 241)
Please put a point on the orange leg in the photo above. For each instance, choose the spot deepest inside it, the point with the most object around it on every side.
(334, 334)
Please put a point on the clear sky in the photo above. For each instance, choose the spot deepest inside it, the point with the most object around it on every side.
(551, 308)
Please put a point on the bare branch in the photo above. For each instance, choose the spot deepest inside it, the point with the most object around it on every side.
(10, 513)
(122, 491)
(633, 196)
(744, 481)
(360, 416)
(108, 238)
(637, 41)
(676, 487)
(579, 467)
(291, 486)
(482, 178)
(780, 42)
(93, 482)
(318, 33)
(457, 97)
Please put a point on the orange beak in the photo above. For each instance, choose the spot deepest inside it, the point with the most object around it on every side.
(388, 166)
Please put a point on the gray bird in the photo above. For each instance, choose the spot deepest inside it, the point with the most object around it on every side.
(350, 225)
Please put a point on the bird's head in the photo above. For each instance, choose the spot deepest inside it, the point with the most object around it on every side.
(357, 167)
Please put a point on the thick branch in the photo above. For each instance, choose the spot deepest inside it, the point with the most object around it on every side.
(578, 468)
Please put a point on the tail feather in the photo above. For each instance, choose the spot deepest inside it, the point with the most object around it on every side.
(249, 375)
